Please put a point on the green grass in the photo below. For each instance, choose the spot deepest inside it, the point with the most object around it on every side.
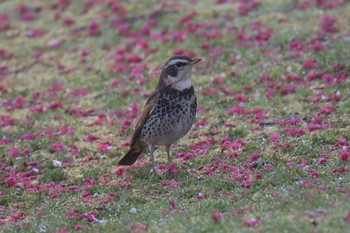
(89, 192)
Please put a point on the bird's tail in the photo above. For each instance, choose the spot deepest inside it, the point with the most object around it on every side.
(131, 156)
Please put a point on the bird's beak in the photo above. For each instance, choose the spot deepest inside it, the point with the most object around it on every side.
(194, 61)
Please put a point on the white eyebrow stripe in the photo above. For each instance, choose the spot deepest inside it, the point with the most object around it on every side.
(172, 62)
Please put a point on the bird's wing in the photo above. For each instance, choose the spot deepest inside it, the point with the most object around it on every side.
(149, 106)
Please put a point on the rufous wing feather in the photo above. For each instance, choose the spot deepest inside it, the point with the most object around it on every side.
(137, 146)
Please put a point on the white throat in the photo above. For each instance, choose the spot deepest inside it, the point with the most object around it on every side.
(183, 84)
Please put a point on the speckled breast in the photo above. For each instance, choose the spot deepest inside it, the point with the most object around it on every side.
(171, 118)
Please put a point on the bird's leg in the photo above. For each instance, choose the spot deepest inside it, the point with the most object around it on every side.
(167, 148)
(151, 151)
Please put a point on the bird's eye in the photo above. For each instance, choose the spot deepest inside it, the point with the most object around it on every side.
(180, 64)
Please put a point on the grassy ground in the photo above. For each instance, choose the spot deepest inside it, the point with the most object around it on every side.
(270, 149)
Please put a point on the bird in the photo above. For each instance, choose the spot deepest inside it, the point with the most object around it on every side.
(169, 112)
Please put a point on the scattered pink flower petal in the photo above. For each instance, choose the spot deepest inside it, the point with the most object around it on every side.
(5, 140)
(289, 89)
(347, 217)
(56, 147)
(55, 43)
(254, 157)
(172, 168)
(269, 93)
(94, 28)
(344, 155)
(90, 138)
(4, 22)
(217, 217)
(251, 222)
(14, 151)
(294, 131)
(310, 64)
(245, 6)
(327, 109)
(139, 227)
(274, 137)
(323, 160)
(169, 182)
(328, 24)
(104, 146)
(31, 164)
(185, 19)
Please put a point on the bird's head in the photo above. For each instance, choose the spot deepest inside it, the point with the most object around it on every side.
(177, 72)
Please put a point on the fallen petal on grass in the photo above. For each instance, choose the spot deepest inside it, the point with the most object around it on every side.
(269, 147)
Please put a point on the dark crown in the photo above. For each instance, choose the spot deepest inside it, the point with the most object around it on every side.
(178, 57)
